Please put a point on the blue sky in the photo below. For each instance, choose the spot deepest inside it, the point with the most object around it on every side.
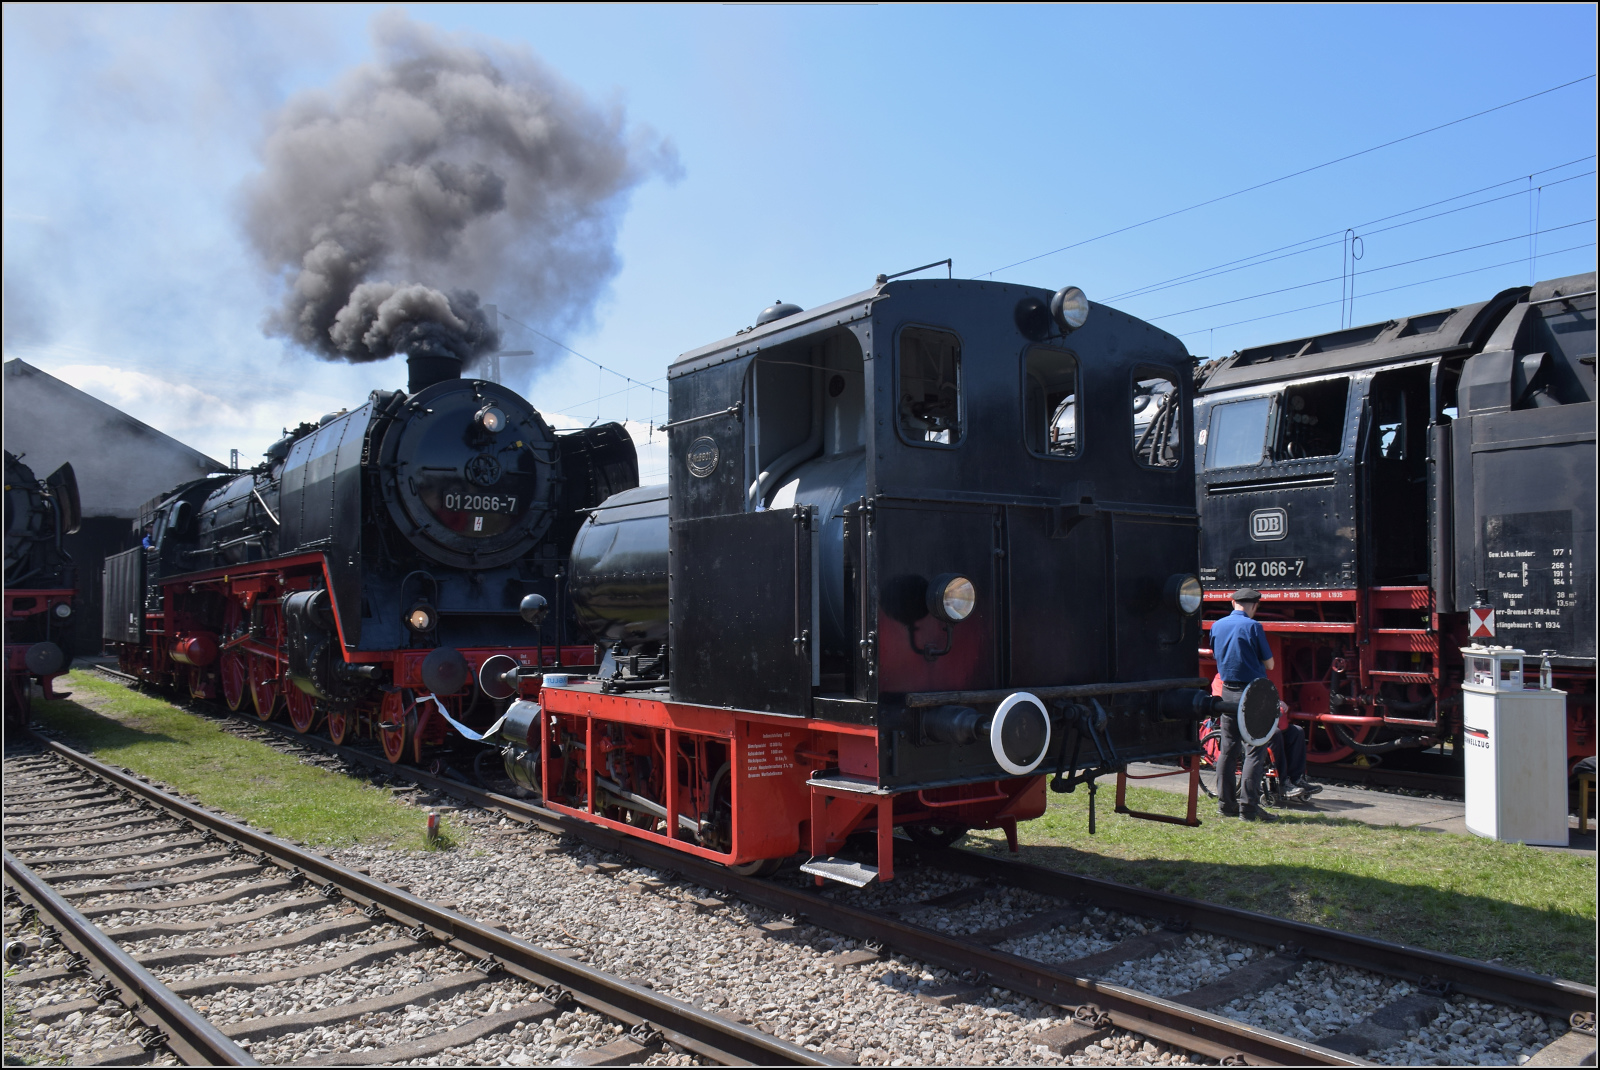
(818, 146)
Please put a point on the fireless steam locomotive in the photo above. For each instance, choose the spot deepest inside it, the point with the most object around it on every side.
(41, 581)
(362, 575)
(919, 549)
(1378, 483)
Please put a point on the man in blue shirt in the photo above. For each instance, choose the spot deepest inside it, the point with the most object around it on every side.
(1243, 656)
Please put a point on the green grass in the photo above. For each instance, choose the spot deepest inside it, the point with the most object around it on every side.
(1532, 909)
(191, 753)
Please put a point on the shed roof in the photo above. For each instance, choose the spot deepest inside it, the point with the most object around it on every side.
(120, 462)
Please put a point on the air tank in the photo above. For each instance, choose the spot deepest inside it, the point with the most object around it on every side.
(619, 558)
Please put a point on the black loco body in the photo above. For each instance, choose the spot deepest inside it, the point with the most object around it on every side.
(41, 580)
(1376, 483)
(378, 557)
(918, 549)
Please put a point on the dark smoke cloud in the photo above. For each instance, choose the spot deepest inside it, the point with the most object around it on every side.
(437, 173)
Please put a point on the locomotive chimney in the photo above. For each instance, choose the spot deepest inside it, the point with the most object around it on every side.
(429, 368)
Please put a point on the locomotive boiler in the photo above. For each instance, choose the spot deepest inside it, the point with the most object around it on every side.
(41, 581)
(1379, 482)
(920, 550)
(361, 576)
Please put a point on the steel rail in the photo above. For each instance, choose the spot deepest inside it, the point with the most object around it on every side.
(1486, 980)
(1192, 1030)
(1544, 994)
(185, 1030)
(706, 1034)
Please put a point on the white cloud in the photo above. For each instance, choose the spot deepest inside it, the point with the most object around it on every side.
(201, 416)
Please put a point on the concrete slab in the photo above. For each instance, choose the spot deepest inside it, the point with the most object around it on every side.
(1376, 808)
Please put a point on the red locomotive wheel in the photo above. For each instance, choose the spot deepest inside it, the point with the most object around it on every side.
(302, 709)
(397, 725)
(235, 672)
(339, 720)
(264, 686)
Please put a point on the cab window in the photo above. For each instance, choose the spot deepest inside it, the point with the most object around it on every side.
(1157, 420)
(1238, 433)
(1050, 402)
(1312, 420)
(930, 387)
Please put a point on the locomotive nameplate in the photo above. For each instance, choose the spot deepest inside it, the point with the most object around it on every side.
(1244, 569)
(703, 456)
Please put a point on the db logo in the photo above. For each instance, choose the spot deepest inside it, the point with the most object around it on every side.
(1269, 525)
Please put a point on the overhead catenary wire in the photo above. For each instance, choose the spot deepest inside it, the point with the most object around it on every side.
(1294, 174)
(1351, 275)
(580, 356)
(1267, 257)
(1391, 289)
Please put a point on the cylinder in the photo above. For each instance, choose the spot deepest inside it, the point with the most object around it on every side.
(195, 649)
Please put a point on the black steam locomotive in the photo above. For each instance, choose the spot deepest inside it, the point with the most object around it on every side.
(1377, 483)
(362, 574)
(919, 549)
(41, 580)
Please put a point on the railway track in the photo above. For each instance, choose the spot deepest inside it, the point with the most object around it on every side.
(89, 843)
(1045, 901)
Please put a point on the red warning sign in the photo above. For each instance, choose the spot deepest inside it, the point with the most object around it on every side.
(1480, 623)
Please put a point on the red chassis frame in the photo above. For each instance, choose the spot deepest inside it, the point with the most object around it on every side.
(1302, 623)
(39, 601)
(776, 804)
(189, 646)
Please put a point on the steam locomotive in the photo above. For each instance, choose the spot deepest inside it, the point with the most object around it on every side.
(919, 549)
(1380, 482)
(41, 581)
(362, 575)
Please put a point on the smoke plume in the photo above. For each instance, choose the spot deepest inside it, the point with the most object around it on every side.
(438, 172)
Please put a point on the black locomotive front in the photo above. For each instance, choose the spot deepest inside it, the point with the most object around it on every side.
(41, 580)
(392, 547)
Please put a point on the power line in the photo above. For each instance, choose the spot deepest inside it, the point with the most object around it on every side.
(580, 356)
(1391, 289)
(1254, 260)
(1369, 271)
(1295, 174)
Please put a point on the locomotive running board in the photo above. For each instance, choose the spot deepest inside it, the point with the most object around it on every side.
(855, 874)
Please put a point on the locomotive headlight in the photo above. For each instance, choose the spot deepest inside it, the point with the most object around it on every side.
(63, 610)
(1185, 594)
(491, 419)
(1070, 307)
(951, 597)
(421, 618)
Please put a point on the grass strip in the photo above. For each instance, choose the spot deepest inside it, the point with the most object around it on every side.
(191, 753)
(1528, 908)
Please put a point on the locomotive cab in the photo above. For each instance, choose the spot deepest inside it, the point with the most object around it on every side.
(923, 546)
(1375, 482)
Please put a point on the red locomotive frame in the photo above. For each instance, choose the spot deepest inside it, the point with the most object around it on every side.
(776, 805)
(1303, 626)
(241, 658)
(21, 605)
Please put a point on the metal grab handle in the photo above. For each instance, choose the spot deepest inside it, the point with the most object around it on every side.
(732, 410)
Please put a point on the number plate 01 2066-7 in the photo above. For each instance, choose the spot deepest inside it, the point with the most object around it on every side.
(1269, 568)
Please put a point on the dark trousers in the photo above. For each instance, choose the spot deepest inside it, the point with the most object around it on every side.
(1289, 752)
(1255, 760)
